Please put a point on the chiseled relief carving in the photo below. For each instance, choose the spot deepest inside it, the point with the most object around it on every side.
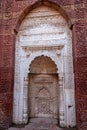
(44, 32)
(43, 91)
(43, 103)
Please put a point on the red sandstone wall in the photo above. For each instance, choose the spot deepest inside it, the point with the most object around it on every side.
(11, 15)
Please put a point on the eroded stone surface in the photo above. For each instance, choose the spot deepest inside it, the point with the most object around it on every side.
(44, 32)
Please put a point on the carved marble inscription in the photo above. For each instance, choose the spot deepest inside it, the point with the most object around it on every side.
(43, 95)
(44, 32)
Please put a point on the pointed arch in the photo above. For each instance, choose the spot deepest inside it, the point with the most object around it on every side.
(37, 4)
(43, 92)
(61, 54)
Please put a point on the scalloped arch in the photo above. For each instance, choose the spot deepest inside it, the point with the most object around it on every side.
(47, 60)
(64, 69)
(51, 55)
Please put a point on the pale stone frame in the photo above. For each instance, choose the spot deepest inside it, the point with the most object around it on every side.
(60, 76)
(23, 88)
(24, 81)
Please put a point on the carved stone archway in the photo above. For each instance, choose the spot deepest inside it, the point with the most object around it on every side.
(44, 32)
(43, 88)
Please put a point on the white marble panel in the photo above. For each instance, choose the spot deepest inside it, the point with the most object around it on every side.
(44, 26)
(69, 81)
(68, 64)
(70, 107)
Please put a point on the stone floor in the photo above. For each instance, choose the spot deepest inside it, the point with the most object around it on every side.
(41, 124)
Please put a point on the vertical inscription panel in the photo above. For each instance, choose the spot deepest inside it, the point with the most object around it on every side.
(43, 95)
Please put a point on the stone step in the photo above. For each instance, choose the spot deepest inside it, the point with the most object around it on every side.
(41, 124)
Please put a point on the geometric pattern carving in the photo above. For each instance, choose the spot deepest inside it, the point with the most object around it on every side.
(43, 95)
(44, 106)
(44, 39)
(43, 102)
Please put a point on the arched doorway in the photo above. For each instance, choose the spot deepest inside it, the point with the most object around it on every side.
(45, 32)
(43, 88)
